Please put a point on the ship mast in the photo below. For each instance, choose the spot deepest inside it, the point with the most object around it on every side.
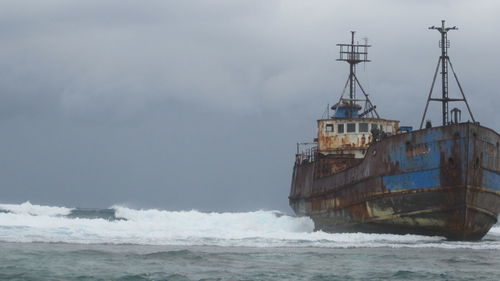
(354, 54)
(444, 61)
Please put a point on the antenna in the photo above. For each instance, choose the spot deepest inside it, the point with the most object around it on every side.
(354, 54)
(444, 60)
(365, 39)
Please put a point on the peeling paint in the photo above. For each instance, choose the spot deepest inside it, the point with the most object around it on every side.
(438, 181)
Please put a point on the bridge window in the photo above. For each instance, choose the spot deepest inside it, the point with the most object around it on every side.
(329, 127)
(351, 127)
(363, 127)
(340, 128)
(374, 126)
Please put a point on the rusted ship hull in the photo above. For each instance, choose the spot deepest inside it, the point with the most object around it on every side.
(440, 181)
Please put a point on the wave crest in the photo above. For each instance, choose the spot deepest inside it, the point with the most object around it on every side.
(35, 210)
(229, 224)
(121, 225)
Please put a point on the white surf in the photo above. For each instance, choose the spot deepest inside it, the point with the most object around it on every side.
(35, 223)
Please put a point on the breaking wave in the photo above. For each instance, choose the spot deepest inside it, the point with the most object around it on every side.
(121, 225)
(495, 231)
(35, 210)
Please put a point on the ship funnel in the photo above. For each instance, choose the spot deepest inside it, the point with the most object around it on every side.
(456, 115)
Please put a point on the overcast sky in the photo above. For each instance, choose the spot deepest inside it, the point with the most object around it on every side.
(186, 105)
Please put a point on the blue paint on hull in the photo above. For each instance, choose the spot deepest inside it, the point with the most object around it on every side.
(491, 180)
(448, 175)
(412, 180)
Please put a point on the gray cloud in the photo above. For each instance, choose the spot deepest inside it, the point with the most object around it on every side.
(198, 104)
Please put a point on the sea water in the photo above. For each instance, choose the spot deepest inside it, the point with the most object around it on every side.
(120, 243)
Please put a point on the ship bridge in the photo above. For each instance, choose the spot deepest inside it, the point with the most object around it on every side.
(350, 137)
(344, 137)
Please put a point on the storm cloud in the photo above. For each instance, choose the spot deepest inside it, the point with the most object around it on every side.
(199, 104)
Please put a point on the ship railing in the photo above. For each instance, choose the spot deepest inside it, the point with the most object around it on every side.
(306, 152)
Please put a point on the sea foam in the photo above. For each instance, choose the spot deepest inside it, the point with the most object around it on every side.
(495, 231)
(33, 223)
(35, 210)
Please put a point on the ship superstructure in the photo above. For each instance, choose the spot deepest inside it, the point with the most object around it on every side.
(365, 173)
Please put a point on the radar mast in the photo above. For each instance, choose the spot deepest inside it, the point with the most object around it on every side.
(353, 54)
(444, 61)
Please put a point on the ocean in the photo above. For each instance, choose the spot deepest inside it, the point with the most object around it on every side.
(57, 243)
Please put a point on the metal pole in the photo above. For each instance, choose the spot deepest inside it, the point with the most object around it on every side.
(366, 96)
(351, 76)
(444, 75)
(462, 92)
(444, 68)
(430, 93)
